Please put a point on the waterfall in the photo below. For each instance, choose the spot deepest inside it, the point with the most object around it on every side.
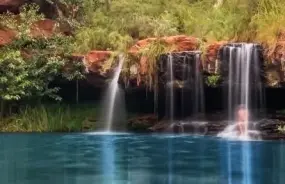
(180, 76)
(241, 66)
(198, 91)
(113, 102)
(244, 77)
(193, 81)
(170, 89)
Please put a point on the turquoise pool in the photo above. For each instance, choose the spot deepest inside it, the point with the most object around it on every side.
(138, 159)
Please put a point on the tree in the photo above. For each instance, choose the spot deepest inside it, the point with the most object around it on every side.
(29, 64)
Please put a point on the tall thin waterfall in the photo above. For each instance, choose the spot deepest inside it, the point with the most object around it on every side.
(198, 90)
(170, 89)
(241, 66)
(114, 99)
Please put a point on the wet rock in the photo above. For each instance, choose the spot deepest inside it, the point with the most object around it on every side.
(194, 127)
(142, 123)
(214, 127)
(186, 69)
(198, 127)
(265, 129)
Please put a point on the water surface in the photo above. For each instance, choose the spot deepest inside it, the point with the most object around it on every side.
(138, 159)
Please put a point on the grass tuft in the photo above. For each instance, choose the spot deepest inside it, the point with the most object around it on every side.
(51, 118)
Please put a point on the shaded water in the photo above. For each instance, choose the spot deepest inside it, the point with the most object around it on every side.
(138, 159)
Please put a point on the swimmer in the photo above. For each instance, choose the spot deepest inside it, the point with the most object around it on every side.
(242, 116)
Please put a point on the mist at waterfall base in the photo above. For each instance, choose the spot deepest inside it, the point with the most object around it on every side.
(241, 66)
(113, 112)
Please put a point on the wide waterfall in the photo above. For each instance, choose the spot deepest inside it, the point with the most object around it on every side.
(241, 68)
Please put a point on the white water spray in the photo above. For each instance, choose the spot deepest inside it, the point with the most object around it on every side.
(112, 99)
(243, 71)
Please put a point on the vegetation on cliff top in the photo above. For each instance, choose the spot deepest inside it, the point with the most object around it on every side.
(129, 20)
(126, 21)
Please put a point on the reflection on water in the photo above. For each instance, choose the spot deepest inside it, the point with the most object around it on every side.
(138, 159)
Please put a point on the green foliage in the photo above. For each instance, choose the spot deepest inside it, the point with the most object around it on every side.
(213, 80)
(125, 21)
(51, 118)
(13, 78)
(22, 23)
(237, 20)
(281, 128)
(29, 64)
(128, 20)
(269, 22)
(151, 52)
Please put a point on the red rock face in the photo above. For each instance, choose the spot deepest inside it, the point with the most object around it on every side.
(182, 43)
(279, 51)
(177, 43)
(212, 51)
(6, 36)
(278, 56)
(140, 45)
(211, 56)
(43, 28)
(95, 59)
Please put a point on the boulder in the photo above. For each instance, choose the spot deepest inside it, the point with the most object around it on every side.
(193, 127)
(142, 123)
